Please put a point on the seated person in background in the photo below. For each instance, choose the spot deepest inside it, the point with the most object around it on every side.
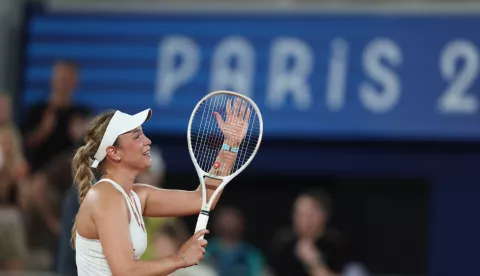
(13, 245)
(168, 239)
(13, 170)
(311, 249)
(231, 255)
(12, 139)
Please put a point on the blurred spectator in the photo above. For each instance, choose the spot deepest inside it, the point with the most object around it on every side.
(231, 255)
(11, 167)
(12, 151)
(43, 197)
(66, 264)
(311, 249)
(50, 183)
(46, 128)
(13, 246)
(13, 170)
(168, 238)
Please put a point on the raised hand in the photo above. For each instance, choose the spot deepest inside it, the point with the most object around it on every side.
(235, 126)
(308, 253)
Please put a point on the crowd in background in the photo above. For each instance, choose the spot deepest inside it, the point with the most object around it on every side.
(39, 203)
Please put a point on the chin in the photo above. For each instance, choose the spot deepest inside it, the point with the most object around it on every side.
(147, 161)
(148, 164)
(143, 166)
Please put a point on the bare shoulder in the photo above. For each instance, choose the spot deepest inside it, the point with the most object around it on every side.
(102, 191)
(102, 202)
(103, 197)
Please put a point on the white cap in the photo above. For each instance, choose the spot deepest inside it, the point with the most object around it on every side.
(119, 124)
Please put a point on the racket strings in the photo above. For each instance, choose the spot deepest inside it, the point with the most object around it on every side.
(208, 134)
(247, 148)
(207, 138)
(215, 131)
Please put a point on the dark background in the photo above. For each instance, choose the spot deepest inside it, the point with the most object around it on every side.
(383, 210)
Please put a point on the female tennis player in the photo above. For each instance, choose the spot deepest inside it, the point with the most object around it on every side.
(109, 233)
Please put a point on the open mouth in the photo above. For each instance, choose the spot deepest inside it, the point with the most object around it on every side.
(147, 153)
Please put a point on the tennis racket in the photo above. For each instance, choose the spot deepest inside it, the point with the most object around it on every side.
(224, 133)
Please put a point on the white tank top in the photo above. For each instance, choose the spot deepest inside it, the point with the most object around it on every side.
(89, 253)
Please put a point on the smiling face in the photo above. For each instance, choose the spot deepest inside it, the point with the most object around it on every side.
(133, 150)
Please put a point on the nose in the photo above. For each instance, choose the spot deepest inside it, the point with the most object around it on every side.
(148, 141)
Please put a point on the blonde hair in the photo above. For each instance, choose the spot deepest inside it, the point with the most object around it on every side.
(82, 172)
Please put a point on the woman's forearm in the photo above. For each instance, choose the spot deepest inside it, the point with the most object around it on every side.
(223, 166)
(162, 267)
(225, 160)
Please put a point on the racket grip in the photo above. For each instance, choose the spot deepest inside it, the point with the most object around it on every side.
(202, 222)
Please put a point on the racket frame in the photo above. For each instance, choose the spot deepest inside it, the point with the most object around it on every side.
(206, 206)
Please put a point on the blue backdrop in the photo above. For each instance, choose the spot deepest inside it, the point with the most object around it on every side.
(322, 76)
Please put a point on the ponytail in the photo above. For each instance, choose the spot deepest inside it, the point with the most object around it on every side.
(83, 175)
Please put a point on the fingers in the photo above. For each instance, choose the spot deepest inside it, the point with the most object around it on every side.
(201, 233)
(202, 243)
(238, 112)
(235, 107)
(242, 110)
(229, 109)
(247, 116)
(219, 119)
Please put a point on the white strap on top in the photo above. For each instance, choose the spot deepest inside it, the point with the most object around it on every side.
(137, 201)
(132, 208)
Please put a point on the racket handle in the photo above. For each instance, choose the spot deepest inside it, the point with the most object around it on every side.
(202, 222)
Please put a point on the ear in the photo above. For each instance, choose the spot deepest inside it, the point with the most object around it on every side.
(113, 154)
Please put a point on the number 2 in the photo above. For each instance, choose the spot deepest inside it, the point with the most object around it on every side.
(456, 97)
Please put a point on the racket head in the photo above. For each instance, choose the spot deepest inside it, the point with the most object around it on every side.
(205, 137)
